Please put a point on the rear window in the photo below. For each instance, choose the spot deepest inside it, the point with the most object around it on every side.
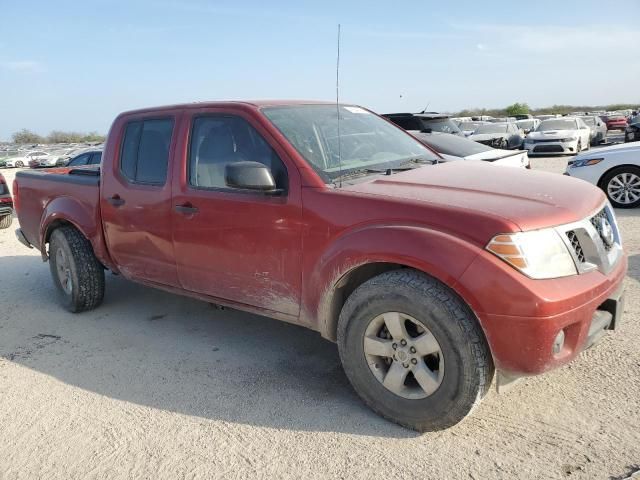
(144, 153)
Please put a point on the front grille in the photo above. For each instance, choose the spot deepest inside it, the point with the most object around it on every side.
(596, 221)
(545, 140)
(548, 148)
(575, 244)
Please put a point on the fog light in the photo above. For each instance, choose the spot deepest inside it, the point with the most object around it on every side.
(558, 343)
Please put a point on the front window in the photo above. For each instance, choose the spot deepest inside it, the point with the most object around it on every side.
(366, 141)
(444, 125)
(491, 128)
(589, 121)
(557, 125)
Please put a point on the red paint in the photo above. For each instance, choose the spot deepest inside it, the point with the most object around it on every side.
(283, 256)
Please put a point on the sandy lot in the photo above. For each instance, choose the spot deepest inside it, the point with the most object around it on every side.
(152, 385)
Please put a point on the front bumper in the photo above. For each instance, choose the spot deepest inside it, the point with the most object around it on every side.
(552, 147)
(533, 312)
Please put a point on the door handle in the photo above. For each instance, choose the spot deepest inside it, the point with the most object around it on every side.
(116, 201)
(186, 209)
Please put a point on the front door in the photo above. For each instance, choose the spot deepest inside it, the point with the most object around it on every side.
(136, 199)
(236, 245)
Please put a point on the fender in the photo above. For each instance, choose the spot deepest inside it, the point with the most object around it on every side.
(85, 218)
(438, 254)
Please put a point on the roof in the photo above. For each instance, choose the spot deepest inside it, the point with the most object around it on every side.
(228, 103)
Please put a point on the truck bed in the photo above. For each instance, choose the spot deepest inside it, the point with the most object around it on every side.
(75, 191)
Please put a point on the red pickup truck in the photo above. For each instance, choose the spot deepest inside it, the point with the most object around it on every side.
(430, 277)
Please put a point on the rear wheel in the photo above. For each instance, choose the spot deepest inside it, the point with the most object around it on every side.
(19, 164)
(5, 221)
(76, 272)
(622, 186)
(413, 351)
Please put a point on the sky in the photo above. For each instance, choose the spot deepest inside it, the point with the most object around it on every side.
(73, 65)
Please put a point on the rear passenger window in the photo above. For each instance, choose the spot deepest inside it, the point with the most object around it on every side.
(144, 153)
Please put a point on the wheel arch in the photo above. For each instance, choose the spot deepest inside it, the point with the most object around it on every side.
(601, 184)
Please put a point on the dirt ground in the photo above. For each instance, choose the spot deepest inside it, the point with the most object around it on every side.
(152, 385)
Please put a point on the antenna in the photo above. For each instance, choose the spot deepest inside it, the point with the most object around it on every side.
(338, 109)
(425, 108)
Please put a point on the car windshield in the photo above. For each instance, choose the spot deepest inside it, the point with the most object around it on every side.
(491, 128)
(444, 125)
(527, 124)
(556, 125)
(453, 144)
(469, 125)
(589, 121)
(366, 141)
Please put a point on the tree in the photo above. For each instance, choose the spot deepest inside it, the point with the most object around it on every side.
(27, 136)
(517, 109)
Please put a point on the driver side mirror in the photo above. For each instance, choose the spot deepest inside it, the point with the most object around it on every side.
(250, 176)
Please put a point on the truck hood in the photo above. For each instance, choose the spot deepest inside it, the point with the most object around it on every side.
(509, 198)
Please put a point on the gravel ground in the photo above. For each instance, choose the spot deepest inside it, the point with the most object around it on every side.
(153, 385)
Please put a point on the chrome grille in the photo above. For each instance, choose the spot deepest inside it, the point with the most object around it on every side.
(596, 222)
(575, 244)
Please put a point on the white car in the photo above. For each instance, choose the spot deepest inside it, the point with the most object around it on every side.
(454, 147)
(615, 169)
(566, 135)
(528, 125)
(24, 160)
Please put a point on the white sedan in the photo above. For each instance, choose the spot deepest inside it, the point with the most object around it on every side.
(24, 160)
(615, 169)
(566, 135)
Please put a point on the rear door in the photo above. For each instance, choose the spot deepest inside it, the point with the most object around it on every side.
(136, 197)
(236, 245)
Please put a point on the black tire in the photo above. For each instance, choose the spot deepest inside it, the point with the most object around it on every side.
(5, 221)
(467, 359)
(19, 164)
(86, 288)
(610, 175)
(579, 146)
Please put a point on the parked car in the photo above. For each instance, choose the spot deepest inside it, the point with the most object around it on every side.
(499, 135)
(566, 135)
(614, 122)
(26, 158)
(598, 129)
(427, 276)
(468, 128)
(615, 169)
(88, 157)
(6, 204)
(425, 122)
(453, 147)
(528, 125)
(632, 132)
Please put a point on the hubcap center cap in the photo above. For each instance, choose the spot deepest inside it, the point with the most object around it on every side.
(402, 355)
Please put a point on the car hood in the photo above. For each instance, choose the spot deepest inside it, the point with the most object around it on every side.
(508, 199)
(487, 136)
(552, 134)
(495, 154)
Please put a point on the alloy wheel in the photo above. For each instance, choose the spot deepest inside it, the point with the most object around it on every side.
(624, 188)
(404, 355)
(63, 268)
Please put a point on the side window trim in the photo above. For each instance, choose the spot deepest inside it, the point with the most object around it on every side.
(142, 121)
(216, 189)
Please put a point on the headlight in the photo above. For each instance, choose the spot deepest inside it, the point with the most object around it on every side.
(569, 139)
(539, 254)
(586, 163)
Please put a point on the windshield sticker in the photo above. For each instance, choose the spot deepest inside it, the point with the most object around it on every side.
(356, 110)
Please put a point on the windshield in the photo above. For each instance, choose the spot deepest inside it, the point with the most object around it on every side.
(453, 144)
(589, 121)
(491, 128)
(556, 125)
(444, 125)
(366, 140)
(525, 124)
(469, 125)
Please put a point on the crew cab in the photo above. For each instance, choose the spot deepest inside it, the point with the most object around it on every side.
(430, 277)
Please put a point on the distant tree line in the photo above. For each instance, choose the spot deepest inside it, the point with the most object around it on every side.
(522, 108)
(56, 136)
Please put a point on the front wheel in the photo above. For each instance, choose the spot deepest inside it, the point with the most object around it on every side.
(77, 273)
(622, 186)
(19, 164)
(413, 351)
